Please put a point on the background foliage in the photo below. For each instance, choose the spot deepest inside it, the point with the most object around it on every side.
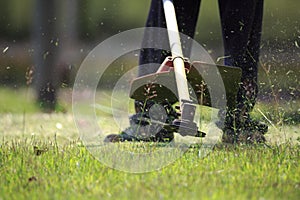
(105, 17)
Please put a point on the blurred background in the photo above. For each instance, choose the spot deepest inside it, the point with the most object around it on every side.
(43, 43)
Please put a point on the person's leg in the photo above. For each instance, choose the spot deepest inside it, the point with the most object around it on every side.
(241, 28)
(187, 14)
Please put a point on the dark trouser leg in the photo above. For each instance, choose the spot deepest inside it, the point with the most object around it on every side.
(241, 25)
(187, 14)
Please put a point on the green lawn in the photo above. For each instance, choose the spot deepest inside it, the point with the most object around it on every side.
(68, 171)
(41, 157)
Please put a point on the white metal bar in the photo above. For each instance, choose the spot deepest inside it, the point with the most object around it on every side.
(176, 49)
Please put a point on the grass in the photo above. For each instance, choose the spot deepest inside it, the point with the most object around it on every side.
(22, 99)
(41, 157)
(70, 172)
(16, 101)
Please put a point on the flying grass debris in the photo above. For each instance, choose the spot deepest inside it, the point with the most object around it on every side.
(5, 49)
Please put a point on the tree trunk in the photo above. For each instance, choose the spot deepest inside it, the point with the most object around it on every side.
(46, 43)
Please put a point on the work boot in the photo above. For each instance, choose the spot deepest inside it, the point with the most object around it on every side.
(239, 127)
(249, 132)
(148, 124)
